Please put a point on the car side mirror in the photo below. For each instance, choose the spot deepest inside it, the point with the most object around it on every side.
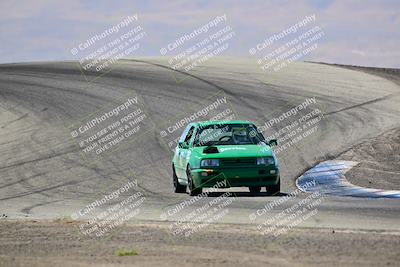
(183, 145)
(273, 142)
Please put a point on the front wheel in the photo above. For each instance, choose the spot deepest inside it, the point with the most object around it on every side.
(178, 188)
(193, 191)
(274, 189)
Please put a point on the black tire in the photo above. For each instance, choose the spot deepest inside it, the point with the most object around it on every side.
(193, 191)
(274, 189)
(255, 189)
(178, 188)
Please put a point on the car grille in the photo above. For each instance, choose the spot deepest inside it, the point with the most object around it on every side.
(239, 162)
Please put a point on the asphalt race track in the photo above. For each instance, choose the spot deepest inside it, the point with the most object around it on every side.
(43, 174)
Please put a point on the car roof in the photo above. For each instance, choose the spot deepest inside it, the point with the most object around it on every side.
(207, 123)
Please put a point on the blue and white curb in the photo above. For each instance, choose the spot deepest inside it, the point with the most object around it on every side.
(328, 178)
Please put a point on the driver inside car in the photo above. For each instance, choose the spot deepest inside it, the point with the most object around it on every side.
(240, 136)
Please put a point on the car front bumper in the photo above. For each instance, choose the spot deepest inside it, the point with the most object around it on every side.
(236, 177)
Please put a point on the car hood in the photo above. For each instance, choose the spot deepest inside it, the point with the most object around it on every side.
(235, 151)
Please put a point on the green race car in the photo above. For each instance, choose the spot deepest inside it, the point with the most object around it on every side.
(224, 154)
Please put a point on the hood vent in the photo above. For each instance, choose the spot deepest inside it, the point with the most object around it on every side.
(210, 150)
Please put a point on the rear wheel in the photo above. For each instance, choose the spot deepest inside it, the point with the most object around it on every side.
(255, 189)
(193, 191)
(178, 188)
(274, 189)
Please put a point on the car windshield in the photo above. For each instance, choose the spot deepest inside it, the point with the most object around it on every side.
(228, 134)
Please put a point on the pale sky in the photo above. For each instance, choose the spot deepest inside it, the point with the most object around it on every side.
(358, 32)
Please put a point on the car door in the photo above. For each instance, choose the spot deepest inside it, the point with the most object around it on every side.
(186, 152)
(180, 171)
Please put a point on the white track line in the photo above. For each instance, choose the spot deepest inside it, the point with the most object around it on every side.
(329, 179)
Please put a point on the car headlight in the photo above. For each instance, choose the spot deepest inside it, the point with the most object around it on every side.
(210, 163)
(265, 161)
